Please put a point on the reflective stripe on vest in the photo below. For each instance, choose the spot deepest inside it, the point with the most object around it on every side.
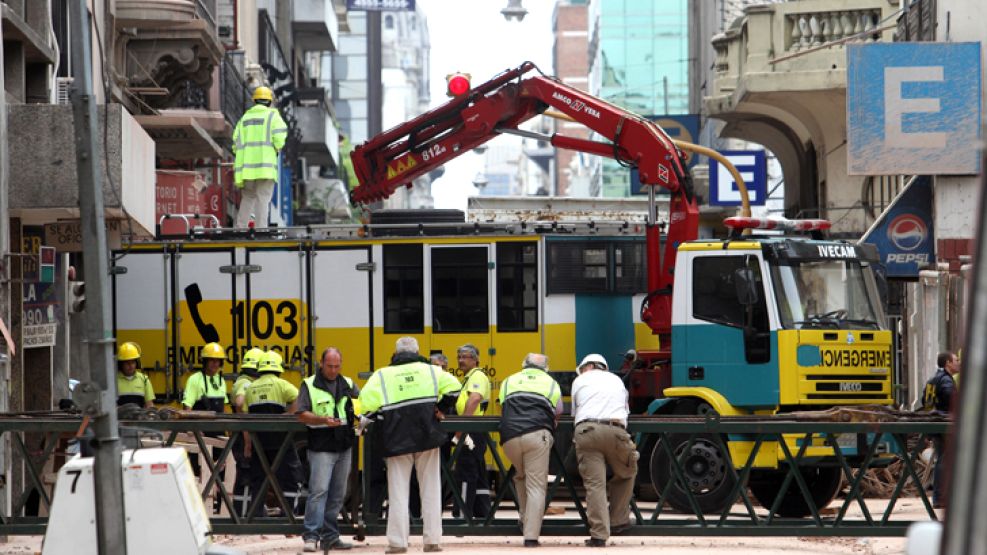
(464, 395)
(324, 404)
(533, 382)
(407, 384)
(256, 156)
(263, 391)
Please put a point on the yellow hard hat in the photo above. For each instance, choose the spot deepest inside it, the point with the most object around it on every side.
(270, 362)
(128, 351)
(251, 359)
(263, 93)
(213, 350)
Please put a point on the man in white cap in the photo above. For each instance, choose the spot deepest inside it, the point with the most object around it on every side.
(599, 401)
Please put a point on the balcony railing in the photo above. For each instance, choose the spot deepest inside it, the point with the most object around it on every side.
(234, 96)
(279, 75)
(797, 36)
(807, 30)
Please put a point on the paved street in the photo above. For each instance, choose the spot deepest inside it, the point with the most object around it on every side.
(909, 508)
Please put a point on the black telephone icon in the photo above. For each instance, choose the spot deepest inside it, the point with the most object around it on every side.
(193, 296)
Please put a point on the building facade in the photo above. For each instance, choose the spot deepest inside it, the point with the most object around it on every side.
(638, 60)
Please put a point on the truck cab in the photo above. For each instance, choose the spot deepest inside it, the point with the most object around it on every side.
(762, 326)
(777, 324)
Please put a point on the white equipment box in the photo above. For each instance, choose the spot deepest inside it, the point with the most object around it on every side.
(164, 510)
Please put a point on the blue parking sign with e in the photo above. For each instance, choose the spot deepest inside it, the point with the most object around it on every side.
(753, 168)
(913, 108)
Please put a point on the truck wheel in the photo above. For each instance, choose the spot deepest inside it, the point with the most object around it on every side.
(706, 470)
(823, 482)
(645, 489)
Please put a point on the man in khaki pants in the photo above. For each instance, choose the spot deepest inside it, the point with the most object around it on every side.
(532, 403)
(599, 401)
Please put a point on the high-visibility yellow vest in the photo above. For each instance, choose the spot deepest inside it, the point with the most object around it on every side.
(394, 384)
(323, 403)
(258, 137)
(531, 380)
(476, 382)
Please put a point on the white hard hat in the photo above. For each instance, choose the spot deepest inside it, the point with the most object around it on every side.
(593, 358)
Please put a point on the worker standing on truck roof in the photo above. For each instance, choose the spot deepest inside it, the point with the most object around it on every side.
(471, 466)
(132, 385)
(259, 136)
(599, 401)
(407, 394)
(269, 394)
(532, 402)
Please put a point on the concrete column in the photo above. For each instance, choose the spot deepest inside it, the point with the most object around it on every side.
(5, 242)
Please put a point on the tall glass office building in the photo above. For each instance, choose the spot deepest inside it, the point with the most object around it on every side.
(639, 60)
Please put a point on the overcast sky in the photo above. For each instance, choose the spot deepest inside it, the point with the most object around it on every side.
(471, 36)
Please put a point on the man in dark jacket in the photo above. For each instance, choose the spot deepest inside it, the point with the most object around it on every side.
(325, 405)
(406, 394)
(938, 398)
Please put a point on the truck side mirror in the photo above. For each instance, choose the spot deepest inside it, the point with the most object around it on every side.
(746, 283)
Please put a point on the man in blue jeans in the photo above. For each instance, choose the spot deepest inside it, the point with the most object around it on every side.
(325, 405)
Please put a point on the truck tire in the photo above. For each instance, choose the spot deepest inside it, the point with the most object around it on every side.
(645, 488)
(707, 470)
(824, 482)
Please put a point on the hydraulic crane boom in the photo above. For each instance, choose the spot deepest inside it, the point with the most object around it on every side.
(399, 155)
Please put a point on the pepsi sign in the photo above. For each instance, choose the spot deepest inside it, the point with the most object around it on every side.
(903, 234)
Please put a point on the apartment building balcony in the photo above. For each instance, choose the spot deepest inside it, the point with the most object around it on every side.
(780, 80)
(315, 26)
(316, 123)
(27, 54)
(44, 184)
(166, 55)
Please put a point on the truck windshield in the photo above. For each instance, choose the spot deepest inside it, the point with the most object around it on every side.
(827, 294)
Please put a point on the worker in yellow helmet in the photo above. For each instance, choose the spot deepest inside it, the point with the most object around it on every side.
(132, 385)
(259, 136)
(243, 449)
(206, 390)
(270, 394)
(248, 373)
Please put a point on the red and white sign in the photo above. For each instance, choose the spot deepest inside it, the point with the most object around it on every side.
(186, 192)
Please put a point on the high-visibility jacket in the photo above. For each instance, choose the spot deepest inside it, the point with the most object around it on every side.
(337, 438)
(135, 389)
(269, 394)
(476, 382)
(240, 387)
(204, 392)
(258, 137)
(406, 395)
(529, 398)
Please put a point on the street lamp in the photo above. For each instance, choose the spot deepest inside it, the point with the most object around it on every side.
(514, 9)
(480, 181)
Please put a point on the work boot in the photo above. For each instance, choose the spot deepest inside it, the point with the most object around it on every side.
(432, 548)
(338, 543)
(392, 550)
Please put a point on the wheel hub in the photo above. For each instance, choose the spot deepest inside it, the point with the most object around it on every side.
(705, 466)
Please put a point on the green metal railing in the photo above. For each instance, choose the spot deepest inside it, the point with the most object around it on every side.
(649, 518)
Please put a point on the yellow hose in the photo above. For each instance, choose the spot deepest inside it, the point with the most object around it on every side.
(745, 204)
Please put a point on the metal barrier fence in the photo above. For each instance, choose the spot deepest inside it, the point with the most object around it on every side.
(649, 518)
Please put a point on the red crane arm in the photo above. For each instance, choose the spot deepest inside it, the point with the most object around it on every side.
(397, 156)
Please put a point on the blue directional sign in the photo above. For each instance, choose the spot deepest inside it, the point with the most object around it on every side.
(903, 234)
(681, 128)
(913, 108)
(753, 168)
